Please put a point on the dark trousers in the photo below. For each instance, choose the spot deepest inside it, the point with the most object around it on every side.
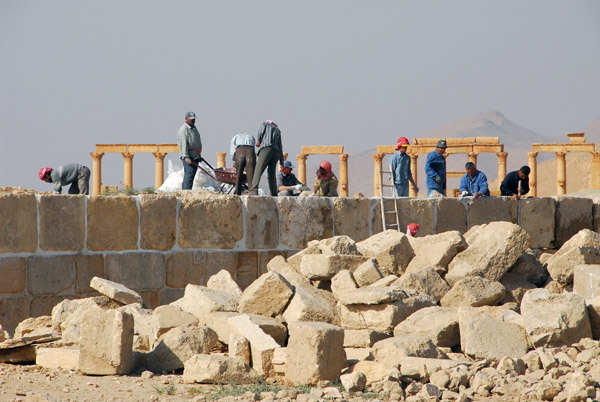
(267, 159)
(245, 158)
(82, 185)
(189, 172)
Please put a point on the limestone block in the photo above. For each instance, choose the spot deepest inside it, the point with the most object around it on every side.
(324, 267)
(13, 272)
(531, 269)
(86, 267)
(223, 281)
(391, 249)
(183, 268)
(485, 334)
(50, 275)
(493, 209)
(341, 244)
(115, 291)
(66, 358)
(373, 371)
(239, 348)
(270, 326)
(18, 354)
(315, 352)
(370, 295)
(68, 314)
(247, 268)
(440, 324)
(385, 281)
(419, 211)
(217, 321)
(537, 218)
(425, 280)
(493, 251)
(168, 296)
(62, 222)
(200, 300)
(572, 215)
(516, 287)
(355, 355)
(262, 223)
(214, 222)
(18, 214)
(142, 325)
(215, 261)
(391, 351)
(343, 281)
(136, 270)
(262, 346)
(436, 251)
(302, 219)
(178, 345)
(157, 221)
(354, 382)
(366, 273)
(474, 291)
(268, 295)
(451, 215)
(555, 319)
(419, 368)
(362, 338)
(112, 223)
(593, 308)
(351, 217)
(106, 342)
(217, 369)
(583, 248)
(168, 317)
(264, 257)
(150, 298)
(42, 305)
(34, 327)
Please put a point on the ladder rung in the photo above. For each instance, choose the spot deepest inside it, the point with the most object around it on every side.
(391, 225)
(386, 185)
(389, 212)
(383, 171)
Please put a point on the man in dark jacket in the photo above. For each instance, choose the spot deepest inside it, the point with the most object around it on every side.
(516, 183)
(270, 151)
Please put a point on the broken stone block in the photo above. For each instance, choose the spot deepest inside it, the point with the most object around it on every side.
(425, 280)
(217, 369)
(373, 371)
(586, 282)
(268, 295)
(555, 319)
(440, 324)
(385, 281)
(142, 326)
(486, 333)
(473, 291)
(390, 248)
(279, 361)
(32, 327)
(115, 291)
(583, 248)
(367, 273)
(362, 338)
(168, 317)
(224, 282)
(178, 345)
(496, 247)
(436, 251)
(341, 245)
(67, 315)
(391, 351)
(52, 358)
(325, 266)
(200, 300)
(572, 215)
(342, 281)
(516, 287)
(370, 295)
(354, 382)
(419, 368)
(315, 352)
(529, 268)
(239, 347)
(593, 308)
(106, 342)
(262, 346)
(537, 219)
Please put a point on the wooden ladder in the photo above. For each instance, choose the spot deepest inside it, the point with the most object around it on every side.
(384, 213)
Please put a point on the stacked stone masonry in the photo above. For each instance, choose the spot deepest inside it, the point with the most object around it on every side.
(51, 246)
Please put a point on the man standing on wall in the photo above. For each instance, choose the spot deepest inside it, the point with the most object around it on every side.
(190, 149)
(435, 169)
(516, 183)
(270, 151)
(401, 172)
(242, 153)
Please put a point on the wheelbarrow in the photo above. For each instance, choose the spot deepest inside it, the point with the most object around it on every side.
(223, 176)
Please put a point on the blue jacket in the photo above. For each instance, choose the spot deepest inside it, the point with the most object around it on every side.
(435, 168)
(401, 168)
(478, 184)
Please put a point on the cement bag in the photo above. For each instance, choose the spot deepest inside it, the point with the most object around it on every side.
(174, 180)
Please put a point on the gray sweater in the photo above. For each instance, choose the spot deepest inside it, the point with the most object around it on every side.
(188, 139)
(65, 174)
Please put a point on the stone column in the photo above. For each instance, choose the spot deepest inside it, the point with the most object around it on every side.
(501, 166)
(285, 156)
(344, 175)
(473, 157)
(221, 163)
(128, 158)
(159, 168)
(302, 168)
(561, 173)
(377, 167)
(595, 171)
(97, 172)
(533, 175)
(413, 170)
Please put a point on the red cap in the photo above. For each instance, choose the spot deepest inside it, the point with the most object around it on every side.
(413, 228)
(43, 172)
(402, 142)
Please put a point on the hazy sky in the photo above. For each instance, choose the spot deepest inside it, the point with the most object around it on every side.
(357, 73)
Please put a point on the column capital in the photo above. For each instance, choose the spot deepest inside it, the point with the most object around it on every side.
(159, 155)
(97, 155)
(502, 155)
(532, 154)
(343, 157)
(378, 157)
(560, 154)
(473, 154)
(302, 157)
(595, 156)
(128, 155)
(413, 156)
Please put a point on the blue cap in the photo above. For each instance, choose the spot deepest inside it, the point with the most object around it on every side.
(190, 115)
(288, 164)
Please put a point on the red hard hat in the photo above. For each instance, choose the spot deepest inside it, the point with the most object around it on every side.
(43, 172)
(402, 142)
(414, 228)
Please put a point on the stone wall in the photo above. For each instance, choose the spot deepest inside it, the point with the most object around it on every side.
(52, 245)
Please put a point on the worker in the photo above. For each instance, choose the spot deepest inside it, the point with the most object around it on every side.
(473, 183)
(516, 183)
(287, 182)
(78, 176)
(244, 158)
(401, 172)
(435, 169)
(190, 149)
(325, 183)
(270, 151)
(412, 229)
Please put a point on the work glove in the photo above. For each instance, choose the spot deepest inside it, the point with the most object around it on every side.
(188, 161)
(464, 194)
(298, 187)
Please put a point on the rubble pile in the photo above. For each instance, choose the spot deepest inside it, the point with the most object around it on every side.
(440, 317)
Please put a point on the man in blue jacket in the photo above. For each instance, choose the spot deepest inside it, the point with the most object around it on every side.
(473, 183)
(435, 169)
(400, 162)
